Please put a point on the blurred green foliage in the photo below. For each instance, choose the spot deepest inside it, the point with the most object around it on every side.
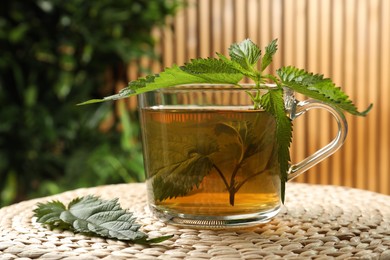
(53, 55)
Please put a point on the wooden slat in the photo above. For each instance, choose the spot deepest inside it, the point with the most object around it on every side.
(203, 16)
(373, 94)
(228, 24)
(312, 58)
(252, 20)
(383, 105)
(276, 28)
(361, 81)
(216, 24)
(323, 33)
(315, 118)
(289, 54)
(179, 50)
(239, 29)
(264, 8)
(349, 67)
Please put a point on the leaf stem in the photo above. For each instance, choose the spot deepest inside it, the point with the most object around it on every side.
(232, 189)
(247, 179)
(222, 176)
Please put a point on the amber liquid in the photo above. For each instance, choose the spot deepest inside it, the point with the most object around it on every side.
(244, 154)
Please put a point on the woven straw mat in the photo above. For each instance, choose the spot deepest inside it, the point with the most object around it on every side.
(317, 222)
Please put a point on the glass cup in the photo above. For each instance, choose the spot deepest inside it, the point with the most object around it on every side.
(211, 159)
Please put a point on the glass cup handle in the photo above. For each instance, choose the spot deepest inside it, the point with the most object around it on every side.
(300, 109)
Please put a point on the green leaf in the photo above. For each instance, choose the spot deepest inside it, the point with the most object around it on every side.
(105, 218)
(254, 143)
(234, 129)
(318, 87)
(273, 103)
(259, 138)
(250, 140)
(185, 160)
(213, 70)
(178, 178)
(49, 214)
(245, 53)
(199, 71)
(93, 216)
(249, 73)
(270, 50)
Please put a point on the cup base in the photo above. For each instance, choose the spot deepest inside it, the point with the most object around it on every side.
(216, 222)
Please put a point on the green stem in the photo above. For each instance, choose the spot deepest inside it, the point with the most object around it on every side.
(222, 177)
(247, 179)
(230, 188)
(232, 193)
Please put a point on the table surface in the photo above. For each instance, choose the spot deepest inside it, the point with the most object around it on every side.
(317, 222)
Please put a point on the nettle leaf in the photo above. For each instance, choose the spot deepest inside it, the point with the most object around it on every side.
(251, 137)
(168, 78)
(93, 216)
(213, 70)
(260, 136)
(237, 66)
(237, 129)
(318, 87)
(249, 142)
(270, 50)
(185, 160)
(103, 217)
(273, 103)
(198, 71)
(245, 53)
(49, 214)
(179, 178)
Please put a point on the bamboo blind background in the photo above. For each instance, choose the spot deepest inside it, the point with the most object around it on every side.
(346, 40)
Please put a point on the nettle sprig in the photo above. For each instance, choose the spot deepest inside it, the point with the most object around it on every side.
(246, 60)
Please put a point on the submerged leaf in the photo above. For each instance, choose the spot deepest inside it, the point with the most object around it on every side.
(251, 138)
(178, 178)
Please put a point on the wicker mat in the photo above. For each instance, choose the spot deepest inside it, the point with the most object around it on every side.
(317, 222)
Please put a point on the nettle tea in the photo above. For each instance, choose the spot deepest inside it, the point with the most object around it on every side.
(211, 162)
(217, 150)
